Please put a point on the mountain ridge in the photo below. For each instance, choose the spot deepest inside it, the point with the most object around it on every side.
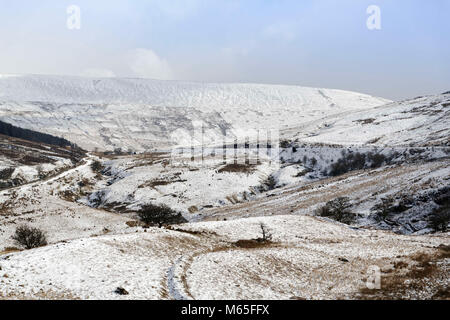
(144, 114)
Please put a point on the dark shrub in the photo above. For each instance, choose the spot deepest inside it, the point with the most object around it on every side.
(96, 166)
(405, 203)
(121, 291)
(6, 173)
(357, 161)
(348, 162)
(376, 160)
(383, 210)
(324, 211)
(442, 197)
(285, 144)
(269, 184)
(440, 218)
(338, 168)
(160, 215)
(29, 237)
(338, 210)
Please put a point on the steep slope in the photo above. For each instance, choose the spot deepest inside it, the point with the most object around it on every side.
(144, 114)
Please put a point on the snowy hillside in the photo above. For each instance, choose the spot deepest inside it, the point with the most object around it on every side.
(23, 161)
(143, 114)
(422, 121)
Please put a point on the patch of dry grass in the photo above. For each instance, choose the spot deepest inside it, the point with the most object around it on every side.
(238, 168)
(423, 276)
(8, 250)
(253, 244)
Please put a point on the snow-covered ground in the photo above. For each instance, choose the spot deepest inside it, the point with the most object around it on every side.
(50, 205)
(204, 261)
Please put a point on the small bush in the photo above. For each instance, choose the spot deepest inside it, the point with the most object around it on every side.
(376, 159)
(338, 210)
(160, 215)
(285, 144)
(348, 162)
(121, 291)
(6, 173)
(351, 161)
(442, 197)
(96, 166)
(29, 237)
(440, 219)
(383, 209)
(269, 184)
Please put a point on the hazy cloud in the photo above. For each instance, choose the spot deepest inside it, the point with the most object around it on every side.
(176, 9)
(284, 31)
(146, 63)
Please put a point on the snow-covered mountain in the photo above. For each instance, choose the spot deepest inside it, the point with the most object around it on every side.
(143, 114)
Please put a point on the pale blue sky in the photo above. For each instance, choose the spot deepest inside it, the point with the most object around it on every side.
(321, 43)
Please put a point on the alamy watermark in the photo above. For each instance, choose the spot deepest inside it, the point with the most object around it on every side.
(73, 17)
(374, 19)
(373, 281)
(245, 146)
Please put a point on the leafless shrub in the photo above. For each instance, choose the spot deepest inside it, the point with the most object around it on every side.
(265, 232)
(29, 237)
